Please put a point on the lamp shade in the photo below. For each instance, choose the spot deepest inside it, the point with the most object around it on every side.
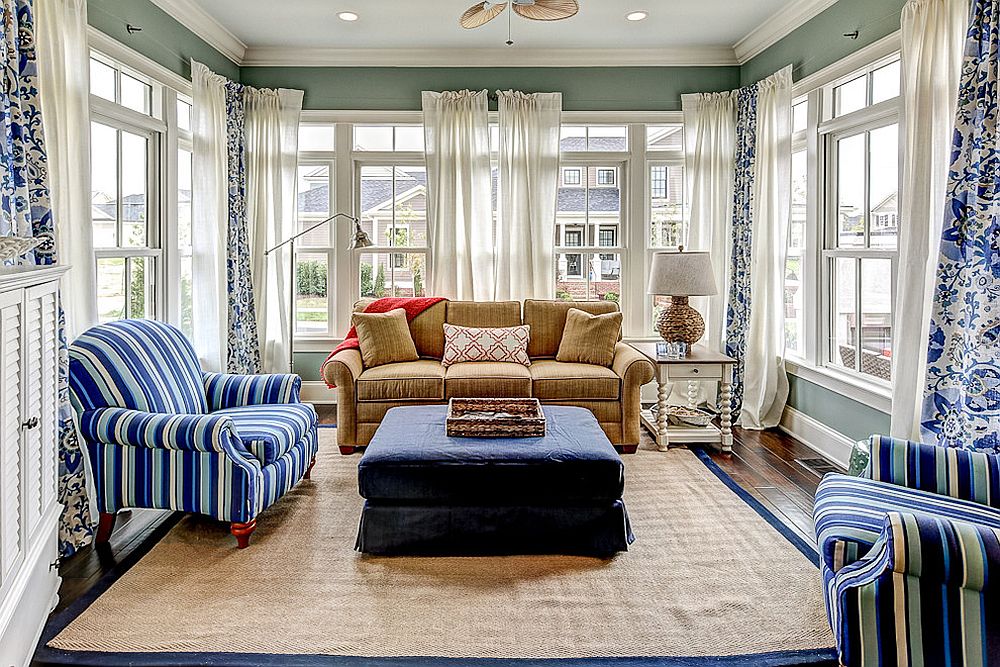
(682, 274)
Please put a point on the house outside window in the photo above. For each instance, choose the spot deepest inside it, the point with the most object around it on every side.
(606, 177)
(571, 176)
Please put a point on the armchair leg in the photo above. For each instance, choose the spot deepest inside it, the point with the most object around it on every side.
(242, 532)
(309, 470)
(105, 524)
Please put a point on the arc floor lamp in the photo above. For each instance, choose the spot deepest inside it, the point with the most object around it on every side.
(360, 240)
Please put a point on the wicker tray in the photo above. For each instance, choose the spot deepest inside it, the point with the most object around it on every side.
(495, 418)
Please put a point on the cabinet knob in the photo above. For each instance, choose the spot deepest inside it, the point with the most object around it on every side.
(694, 370)
(30, 424)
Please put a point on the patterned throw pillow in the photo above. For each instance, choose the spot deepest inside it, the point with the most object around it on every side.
(493, 344)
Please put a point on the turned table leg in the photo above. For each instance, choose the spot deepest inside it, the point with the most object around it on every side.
(242, 532)
(662, 437)
(726, 418)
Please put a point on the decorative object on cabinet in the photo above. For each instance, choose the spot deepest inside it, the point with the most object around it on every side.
(680, 275)
(17, 246)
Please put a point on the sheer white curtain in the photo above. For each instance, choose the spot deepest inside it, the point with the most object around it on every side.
(64, 90)
(459, 202)
(210, 213)
(272, 138)
(933, 42)
(528, 185)
(765, 387)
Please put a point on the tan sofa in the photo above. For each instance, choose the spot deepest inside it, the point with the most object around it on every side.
(364, 395)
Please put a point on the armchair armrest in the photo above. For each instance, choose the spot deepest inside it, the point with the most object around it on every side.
(132, 428)
(631, 365)
(948, 471)
(949, 552)
(343, 368)
(224, 390)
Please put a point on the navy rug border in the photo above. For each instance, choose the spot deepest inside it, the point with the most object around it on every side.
(44, 655)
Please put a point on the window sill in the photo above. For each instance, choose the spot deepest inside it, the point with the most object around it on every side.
(872, 394)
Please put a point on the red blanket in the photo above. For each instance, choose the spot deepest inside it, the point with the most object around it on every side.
(412, 305)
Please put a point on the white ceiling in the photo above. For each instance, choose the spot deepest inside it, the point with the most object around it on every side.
(417, 24)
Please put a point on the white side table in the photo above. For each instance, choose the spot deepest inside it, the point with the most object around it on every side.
(698, 366)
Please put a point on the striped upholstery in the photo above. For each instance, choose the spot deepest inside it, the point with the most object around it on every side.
(270, 431)
(162, 434)
(912, 577)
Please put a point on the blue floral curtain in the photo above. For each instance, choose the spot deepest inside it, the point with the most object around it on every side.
(738, 305)
(962, 400)
(25, 211)
(243, 354)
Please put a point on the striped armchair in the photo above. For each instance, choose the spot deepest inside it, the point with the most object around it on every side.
(911, 556)
(162, 434)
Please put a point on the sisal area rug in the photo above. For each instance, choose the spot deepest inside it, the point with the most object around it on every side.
(708, 581)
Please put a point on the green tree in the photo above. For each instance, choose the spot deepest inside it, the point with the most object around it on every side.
(418, 280)
(137, 290)
(379, 289)
(366, 279)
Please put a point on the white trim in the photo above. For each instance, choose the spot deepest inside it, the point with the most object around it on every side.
(778, 26)
(859, 59)
(316, 391)
(283, 56)
(111, 47)
(871, 394)
(205, 26)
(827, 442)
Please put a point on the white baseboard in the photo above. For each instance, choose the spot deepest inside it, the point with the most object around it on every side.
(318, 392)
(827, 442)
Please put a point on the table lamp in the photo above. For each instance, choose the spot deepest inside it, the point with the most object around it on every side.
(680, 275)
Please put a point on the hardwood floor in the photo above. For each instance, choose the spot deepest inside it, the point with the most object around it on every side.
(763, 463)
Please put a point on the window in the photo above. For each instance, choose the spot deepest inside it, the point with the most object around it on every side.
(571, 177)
(606, 177)
(658, 182)
(666, 206)
(389, 138)
(314, 252)
(593, 138)
(794, 291)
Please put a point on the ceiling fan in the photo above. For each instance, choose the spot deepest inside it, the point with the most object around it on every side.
(482, 13)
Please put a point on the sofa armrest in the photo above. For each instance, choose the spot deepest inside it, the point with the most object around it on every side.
(949, 471)
(341, 371)
(226, 390)
(631, 365)
(949, 552)
(133, 428)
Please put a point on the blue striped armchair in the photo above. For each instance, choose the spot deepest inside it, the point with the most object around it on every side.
(911, 556)
(162, 434)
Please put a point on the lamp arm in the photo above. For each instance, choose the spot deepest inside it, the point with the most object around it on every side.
(306, 231)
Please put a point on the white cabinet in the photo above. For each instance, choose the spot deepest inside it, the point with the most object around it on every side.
(29, 511)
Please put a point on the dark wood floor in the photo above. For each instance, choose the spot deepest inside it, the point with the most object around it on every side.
(762, 462)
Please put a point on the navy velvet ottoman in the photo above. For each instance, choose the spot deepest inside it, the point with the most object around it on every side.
(428, 494)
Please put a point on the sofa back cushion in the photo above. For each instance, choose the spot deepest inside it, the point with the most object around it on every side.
(547, 320)
(426, 329)
(589, 339)
(484, 313)
(384, 338)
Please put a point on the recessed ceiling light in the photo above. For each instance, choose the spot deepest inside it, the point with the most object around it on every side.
(636, 16)
(347, 16)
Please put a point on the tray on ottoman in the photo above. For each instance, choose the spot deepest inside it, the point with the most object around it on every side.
(495, 418)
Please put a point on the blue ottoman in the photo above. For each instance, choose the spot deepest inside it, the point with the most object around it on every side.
(428, 494)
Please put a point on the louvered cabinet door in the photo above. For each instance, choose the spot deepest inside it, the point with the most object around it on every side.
(11, 538)
(38, 423)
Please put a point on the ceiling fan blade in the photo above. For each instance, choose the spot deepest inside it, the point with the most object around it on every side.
(548, 10)
(481, 13)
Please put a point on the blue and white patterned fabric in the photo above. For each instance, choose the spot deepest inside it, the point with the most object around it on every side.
(25, 210)
(910, 556)
(962, 400)
(163, 434)
(738, 306)
(243, 353)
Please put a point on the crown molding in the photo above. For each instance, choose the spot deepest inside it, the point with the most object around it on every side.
(778, 26)
(203, 24)
(269, 56)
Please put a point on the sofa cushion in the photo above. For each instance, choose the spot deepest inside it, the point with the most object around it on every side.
(421, 380)
(269, 431)
(589, 339)
(548, 318)
(484, 313)
(425, 328)
(492, 379)
(560, 381)
(384, 338)
(849, 512)
(485, 344)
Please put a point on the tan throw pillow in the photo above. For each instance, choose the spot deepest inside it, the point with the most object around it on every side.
(384, 338)
(589, 339)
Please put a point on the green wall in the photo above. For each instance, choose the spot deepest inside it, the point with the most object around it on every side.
(162, 39)
(821, 42)
(583, 88)
(855, 420)
(307, 365)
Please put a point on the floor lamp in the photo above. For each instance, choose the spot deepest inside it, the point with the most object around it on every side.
(360, 240)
